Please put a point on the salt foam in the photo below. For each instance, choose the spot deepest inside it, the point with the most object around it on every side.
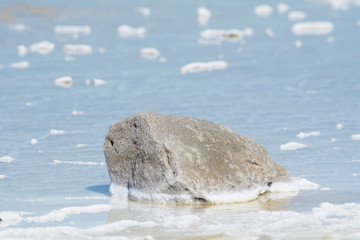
(312, 28)
(263, 10)
(77, 49)
(71, 29)
(203, 66)
(292, 146)
(44, 47)
(64, 82)
(6, 159)
(127, 31)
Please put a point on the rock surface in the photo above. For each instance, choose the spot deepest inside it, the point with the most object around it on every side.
(164, 158)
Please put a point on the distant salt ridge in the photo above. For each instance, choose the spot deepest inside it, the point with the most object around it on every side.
(44, 47)
(127, 31)
(79, 163)
(72, 29)
(312, 28)
(292, 146)
(6, 159)
(203, 66)
(77, 49)
(302, 135)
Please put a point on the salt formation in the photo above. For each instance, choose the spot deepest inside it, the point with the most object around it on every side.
(44, 47)
(127, 31)
(164, 158)
(203, 66)
(71, 29)
(149, 53)
(64, 82)
(144, 11)
(292, 146)
(312, 28)
(22, 50)
(22, 64)
(296, 16)
(283, 8)
(203, 15)
(263, 10)
(77, 49)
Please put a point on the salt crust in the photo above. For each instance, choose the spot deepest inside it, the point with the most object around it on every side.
(127, 31)
(65, 82)
(295, 185)
(263, 10)
(292, 146)
(72, 29)
(77, 49)
(203, 66)
(312, 28)
(6, 159)
(44, 47)
(79, 163)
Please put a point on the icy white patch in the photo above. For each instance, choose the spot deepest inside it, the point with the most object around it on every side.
(21, 65)
(33, 141)
(11, 218)
(292, 146)
(144, 11)
(77, 49)
(340, 4)
(282, 8)
(248, 32)
(295, 185)
(203, 15)
(77, 113)
(339, 126)
(270, 32)
(79, 163)
(61, 214)
(203, 66)
(298, 44)
(22, 50)
(18, 27)
(6, 159)
(150, 53)
(296, 16)
(64, 82)
(118, 191)
(355, 137)
(312, 28)
(127, 31)
(355, 174)
(44, 47)
(302, 135)
(72, 29)
(333, 139)
(325, 189)
(56, 132)
(263, 10)
(85, 198)
(80, 145)
(99, 82)
(2, 176)
(230, 35)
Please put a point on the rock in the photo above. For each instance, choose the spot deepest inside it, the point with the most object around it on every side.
(163, 158)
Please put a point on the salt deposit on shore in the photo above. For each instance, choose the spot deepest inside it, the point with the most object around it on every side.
(292, 146)
(297, 15)
(64, 82)
(263, 10)
(203, 66)
(151, 53)
(127, 31)
(72, 29)
(77, 49)
(6, 159)
(21, 65)
(312, 28)
(44, 47)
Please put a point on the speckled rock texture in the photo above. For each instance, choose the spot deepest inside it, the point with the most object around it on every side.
(163, 158)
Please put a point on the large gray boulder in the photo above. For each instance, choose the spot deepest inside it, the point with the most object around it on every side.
(164, 158)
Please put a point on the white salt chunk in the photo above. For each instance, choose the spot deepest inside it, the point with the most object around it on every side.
(302, 135)
(296, 16)
(269, 32)
(203, 66)
(22, 50)
(2, 176)
(339, 126)
(151, 53)
(44, 47)
(33, 141)
(6, 159)
(56, 132)
(78, 163)
(203, 15)
(98, 82)
(298, 44)
(77, 49)
(144, 11)
(292, 146)
(71, 29)
(64, 82)
(76, 113)
(263, 10)
(22, 64)
(355, 137)
(127, 31)
(312, 28)
(282, 8)
(333, 139)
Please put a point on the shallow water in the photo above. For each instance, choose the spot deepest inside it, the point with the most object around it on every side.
(277, 86)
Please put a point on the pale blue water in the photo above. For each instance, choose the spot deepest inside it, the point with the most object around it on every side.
(270, 92)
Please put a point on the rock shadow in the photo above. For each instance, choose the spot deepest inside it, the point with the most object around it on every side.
(103, 189)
